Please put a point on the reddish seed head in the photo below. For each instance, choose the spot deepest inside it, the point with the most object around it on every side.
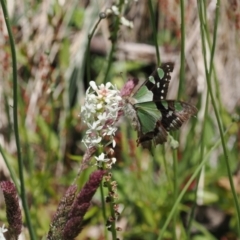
(128, 87)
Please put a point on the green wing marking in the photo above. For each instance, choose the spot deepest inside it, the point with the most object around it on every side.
(143, 95)
(160, 73)
(148, 115)
(151, 79)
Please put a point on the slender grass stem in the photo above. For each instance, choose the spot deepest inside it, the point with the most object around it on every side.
(90, 36)
(150, 6)
(180, 90)
(182, 58)
(175, 189)
(199, 175)
(208, 76)
(165, 163)
(110, 58)
(15, 122)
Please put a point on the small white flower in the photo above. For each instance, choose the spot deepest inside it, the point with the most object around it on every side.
(94, 126)
(111, 162)
(93, 85)
(115, 10)
(102, 116)
(101, 158)
(114, 143)
(126, 22)
(99, 106)
(2, 230)
(111, 131)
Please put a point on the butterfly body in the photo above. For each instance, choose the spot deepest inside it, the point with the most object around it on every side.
(151, 114)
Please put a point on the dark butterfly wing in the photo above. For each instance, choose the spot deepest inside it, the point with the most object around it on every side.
(174, 114)
(158, 136)
(159, 86)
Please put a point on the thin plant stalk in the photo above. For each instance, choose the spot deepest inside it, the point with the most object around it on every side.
(180, 88)
(110, 58)
(208, 76)
(199, 175)
(90, 36)
(165, 163)
(175, 189)
(150, 6)
(103, 209)
(15, 122)
(189, 224)
(182, 57)
(113, 226)
(113, 223)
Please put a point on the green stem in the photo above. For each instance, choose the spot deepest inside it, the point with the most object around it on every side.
(103, 203)
(175, 193)
(150, 6)
(109, 62)
(182, 68)
(15, 122)
(90, 36)
(113, 225)
(103, 209)
(165, 163)
(114, 40)
(199, 175)
(208, 76)
(113, 216)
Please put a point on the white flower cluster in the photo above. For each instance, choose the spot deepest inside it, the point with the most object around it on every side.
(100, 112)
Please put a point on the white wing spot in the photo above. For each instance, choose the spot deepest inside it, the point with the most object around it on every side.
(158, 85)
(175, 122)
(170, 113)
(162, 91)
(161, 97)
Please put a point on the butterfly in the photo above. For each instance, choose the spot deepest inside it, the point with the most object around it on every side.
(151, 114)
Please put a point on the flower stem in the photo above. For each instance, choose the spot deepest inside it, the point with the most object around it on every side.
(114, 37)
(15, 122)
